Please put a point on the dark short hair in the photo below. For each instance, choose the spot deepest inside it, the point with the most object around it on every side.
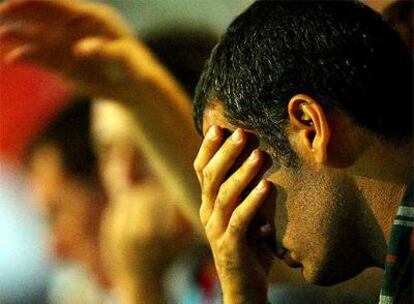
(343, 54)
(70, 133)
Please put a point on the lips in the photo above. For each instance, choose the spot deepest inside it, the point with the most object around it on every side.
(285, 255)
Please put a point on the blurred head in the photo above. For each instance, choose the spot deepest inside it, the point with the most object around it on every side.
(63, 175)
(323, 86)
(115, 130)
(115, 134)
(130, 183)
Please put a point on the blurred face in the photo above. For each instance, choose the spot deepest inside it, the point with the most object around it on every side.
(314, 216)
(138, 201)
(113, 131)
(68, 204)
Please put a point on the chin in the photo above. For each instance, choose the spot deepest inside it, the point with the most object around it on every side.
(329, 274)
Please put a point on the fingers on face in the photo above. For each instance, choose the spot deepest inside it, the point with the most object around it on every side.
(209, 147)
(220, 195)
(215, 171)
(230, 191)
(244, 213)
(213, 168)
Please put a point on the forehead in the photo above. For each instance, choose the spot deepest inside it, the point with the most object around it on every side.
(214, 114)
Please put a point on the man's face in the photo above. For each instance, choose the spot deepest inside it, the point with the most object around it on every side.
(313, 216)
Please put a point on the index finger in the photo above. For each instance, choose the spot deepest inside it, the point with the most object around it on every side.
(211, 143)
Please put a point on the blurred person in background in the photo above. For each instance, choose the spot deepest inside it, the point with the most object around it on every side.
(91, 46)
(138, 249)
(62, 170)
(144, 232)
(25, 266)
(110, 68)
(153, 252)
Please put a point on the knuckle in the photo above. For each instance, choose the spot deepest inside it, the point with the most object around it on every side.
(220, 204)
(207, 175)
(209, 229)
(202, 215)
(196, 166)
(236, 217)
(224, 191)
(234, 223)
(233, 228)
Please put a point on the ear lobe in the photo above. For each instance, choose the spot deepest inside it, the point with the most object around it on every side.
(308, 119)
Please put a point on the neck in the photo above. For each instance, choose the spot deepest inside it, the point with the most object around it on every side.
(382, 175)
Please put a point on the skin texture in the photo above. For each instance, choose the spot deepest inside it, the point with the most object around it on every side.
(226, 219)
(327, 214)
(124, 73)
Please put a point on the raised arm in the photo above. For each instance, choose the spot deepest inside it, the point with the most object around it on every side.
(91, 46)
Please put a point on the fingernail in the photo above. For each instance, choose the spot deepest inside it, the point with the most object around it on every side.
(212, 132)
(237, 136)
(254, 156)
(261, 186)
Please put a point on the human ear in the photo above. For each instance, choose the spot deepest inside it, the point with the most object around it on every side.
(308, 121)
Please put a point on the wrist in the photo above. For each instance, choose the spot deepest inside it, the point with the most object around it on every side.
(233, 294)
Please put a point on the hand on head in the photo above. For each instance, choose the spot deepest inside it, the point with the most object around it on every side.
(242, 257)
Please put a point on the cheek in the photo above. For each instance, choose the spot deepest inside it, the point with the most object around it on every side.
(330, 220)
(308, 218)
(305, 213)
